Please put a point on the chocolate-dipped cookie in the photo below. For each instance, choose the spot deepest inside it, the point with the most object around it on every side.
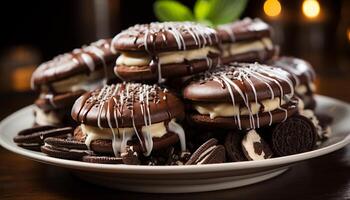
(304, 75)
(165, 50)
(246, 40)
(63, 79)
(130, 114)
(241, 96)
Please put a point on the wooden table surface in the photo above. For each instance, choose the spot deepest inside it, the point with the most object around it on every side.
(326, 177)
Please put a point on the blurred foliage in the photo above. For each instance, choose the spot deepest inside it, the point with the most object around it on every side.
(210, 12)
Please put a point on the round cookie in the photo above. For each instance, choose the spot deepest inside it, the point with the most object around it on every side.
(295, 135)
(134, 114)
(165, 50)
(241, 96)
(304, 76)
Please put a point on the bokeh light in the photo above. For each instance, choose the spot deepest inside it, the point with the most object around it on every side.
(272, 8)
(311, 8)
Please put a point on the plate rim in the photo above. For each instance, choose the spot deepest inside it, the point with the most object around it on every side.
(141, 169)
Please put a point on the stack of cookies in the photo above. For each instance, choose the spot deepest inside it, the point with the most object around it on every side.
(233, 99)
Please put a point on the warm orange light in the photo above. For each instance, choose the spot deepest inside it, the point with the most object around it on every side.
(21, 78)
(272, 8)
(348, 34)
(311, 8)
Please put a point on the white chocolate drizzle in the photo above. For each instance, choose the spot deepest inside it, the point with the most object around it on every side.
(112, 100)
(249, 75)
(201, 35)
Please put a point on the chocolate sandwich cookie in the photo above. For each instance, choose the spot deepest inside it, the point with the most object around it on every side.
(208, 153)
(130, 114)
(295, 135)
(129, 157)
(33, 138)
(246, 40)
(66, 148)
(165, 50)
(63, 79)
(241, 96)
(304, 75)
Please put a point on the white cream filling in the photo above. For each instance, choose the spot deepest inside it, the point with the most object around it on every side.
(228, 110)
(302, 89)
(80, 82)
(94, 133)
(165, 57)
(247, 46)
(49, 118)
(120, 136)
(248, 142)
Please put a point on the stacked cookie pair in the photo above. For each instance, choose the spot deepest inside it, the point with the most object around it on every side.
(169, 50)
(258, 109)
(251, 110)
(63, 79)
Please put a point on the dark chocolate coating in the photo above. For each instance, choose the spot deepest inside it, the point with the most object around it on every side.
(75, 63)
(295, 135)
(232, 124)
(167, 36)
(143, 73)
(301, 69)
(243, 30)
(58, 101)
(124, 101)
(210, 86)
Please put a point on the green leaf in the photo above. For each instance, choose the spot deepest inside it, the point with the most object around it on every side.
(201, 9)
(225, 11)
(169, 10)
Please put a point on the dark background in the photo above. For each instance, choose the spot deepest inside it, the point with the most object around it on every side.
(36, 31)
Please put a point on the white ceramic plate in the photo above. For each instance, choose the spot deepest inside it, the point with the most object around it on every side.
(176, 179)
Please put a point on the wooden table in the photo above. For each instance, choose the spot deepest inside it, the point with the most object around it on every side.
(326, 177)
